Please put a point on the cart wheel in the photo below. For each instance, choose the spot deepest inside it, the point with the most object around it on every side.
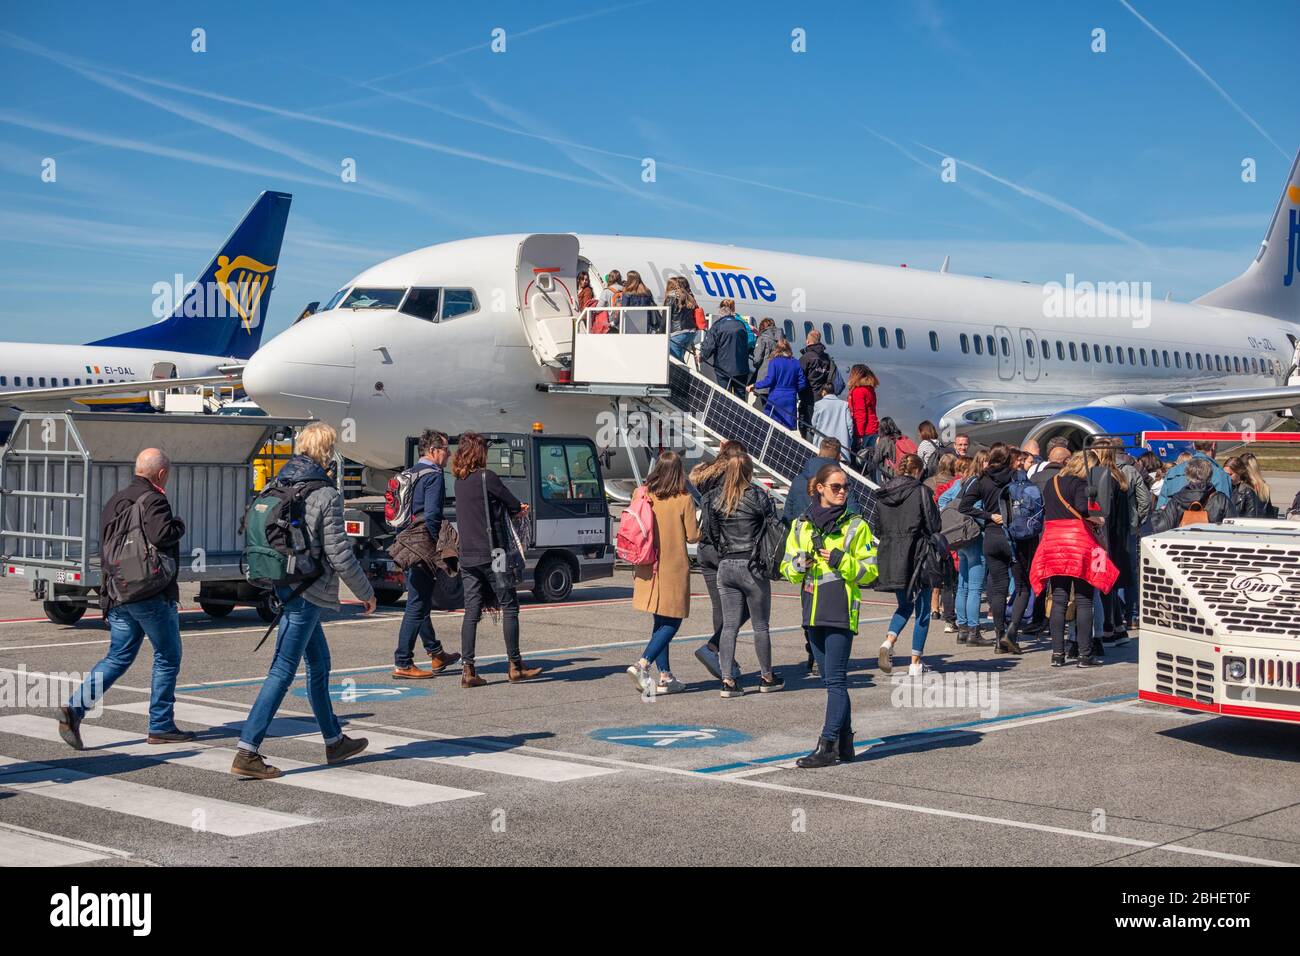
(553, 580)
(64, 612)
(216, 610)
(268, 606)
(388, 597)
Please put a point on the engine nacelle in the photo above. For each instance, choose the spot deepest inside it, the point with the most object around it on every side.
(1077, 424)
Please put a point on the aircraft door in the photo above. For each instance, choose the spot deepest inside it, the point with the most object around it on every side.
(1004, 341)
(546, 272)
(1029, 345)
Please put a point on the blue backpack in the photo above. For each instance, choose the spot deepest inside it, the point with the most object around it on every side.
(1026, 509)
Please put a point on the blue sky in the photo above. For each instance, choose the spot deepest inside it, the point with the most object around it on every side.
(1117, 165)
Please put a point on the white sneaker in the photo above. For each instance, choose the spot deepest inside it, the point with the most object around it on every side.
(639, 677)
(670, 686)
(887, 657)
(915, 670)
(949, 628)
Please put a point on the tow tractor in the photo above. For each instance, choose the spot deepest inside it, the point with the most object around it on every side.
(1220, 628)
(558, 476)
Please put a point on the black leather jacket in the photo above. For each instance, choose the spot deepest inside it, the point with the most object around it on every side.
(734, 535)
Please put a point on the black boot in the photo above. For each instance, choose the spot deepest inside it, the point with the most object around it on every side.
(976, 639)
(823, 756)
(845, 750)
(963, 634)
(1008, 645)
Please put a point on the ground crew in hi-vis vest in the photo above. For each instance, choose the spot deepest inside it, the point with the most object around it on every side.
(831, 554)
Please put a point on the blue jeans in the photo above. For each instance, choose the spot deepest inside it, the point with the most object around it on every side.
(918, 602)
(300, 636)
(678, 343)
(656, 652)
(831, 647)
(129, 624)
(415, 619)
(971, 570)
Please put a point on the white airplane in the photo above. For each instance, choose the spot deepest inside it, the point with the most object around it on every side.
(450, 336)
(215, 326)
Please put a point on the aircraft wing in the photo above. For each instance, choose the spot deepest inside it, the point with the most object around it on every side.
(58, 399)
(1233, 400)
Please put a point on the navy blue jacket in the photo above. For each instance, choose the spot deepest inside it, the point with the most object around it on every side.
(796, 502)
(725, 351)
(427, 497)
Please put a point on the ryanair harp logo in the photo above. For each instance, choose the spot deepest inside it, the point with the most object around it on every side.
(243, 282)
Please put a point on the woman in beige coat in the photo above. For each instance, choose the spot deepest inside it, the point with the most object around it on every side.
(664, 589)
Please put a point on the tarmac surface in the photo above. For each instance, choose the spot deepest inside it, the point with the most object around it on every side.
(1049, 766)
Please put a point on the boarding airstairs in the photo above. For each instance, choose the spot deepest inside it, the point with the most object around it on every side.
(679, 405)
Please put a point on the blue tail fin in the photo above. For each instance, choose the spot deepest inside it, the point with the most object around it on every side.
(223, 313)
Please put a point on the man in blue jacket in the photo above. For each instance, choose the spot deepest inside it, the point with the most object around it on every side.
(427, 498)
(1175, 479)
(724, 353)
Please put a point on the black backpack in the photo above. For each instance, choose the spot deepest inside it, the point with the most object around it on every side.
(821, 372)
(769, 550)
(132, 568)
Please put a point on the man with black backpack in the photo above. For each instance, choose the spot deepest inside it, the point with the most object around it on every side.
(138, 540)
(819, 371)
(420, 535)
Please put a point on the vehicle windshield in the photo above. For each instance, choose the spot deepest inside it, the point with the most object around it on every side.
(360, 298)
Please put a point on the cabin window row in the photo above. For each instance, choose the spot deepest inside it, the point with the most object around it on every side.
(39, 381)
(881, 337)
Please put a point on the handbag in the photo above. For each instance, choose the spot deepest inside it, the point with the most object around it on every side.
(1093, 530)
(505, 575)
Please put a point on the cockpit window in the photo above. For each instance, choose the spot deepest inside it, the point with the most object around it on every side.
(457, 302)
(422, 303)
(335, 299)
(360, 298)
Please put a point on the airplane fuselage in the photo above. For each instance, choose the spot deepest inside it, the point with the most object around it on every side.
(986, 356)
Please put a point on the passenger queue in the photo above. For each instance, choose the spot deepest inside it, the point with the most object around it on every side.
(1050, 544)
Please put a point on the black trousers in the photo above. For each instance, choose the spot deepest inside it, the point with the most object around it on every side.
(1083, 592)
(1023, 553)
(998, 559)
(479, 594)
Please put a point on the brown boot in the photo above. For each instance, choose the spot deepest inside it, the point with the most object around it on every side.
(520, 671)
(411, 673)
(469, 678)
(442, 660)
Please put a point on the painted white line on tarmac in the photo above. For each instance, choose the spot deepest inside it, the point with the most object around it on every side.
(395, 791)
(1005, 822)
(141, 800)
(24, 849)
(92, 847)
(417, 748)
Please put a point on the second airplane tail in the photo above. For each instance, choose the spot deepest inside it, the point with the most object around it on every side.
(1271, 284)
(223, 313)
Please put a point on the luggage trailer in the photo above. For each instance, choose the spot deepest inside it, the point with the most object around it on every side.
(1220, 610)
(59, 469)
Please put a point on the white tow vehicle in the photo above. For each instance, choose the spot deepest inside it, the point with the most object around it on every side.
(1220, 611)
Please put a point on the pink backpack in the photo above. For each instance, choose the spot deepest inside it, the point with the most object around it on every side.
(636, 531)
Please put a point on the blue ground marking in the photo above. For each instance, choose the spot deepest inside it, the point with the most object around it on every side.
(918, 738)
(674, 736)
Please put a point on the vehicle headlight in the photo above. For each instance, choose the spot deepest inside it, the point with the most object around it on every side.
(1234, 668)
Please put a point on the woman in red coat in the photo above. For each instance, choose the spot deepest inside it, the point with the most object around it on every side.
(1069, 556)
(862, 403)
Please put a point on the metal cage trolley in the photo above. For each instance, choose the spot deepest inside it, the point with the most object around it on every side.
(59, 469)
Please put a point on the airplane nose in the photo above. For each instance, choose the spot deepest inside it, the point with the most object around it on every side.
(305, 371)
